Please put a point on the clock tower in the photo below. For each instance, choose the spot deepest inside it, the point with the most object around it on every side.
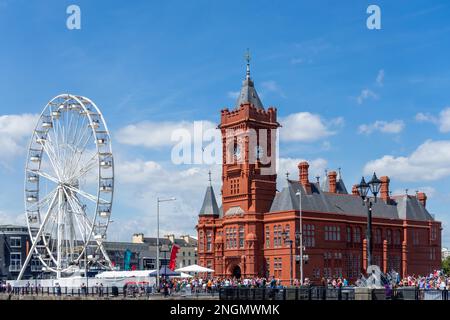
(249, 136)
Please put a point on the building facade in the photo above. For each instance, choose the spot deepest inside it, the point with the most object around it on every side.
(247, 235)
(14, 248)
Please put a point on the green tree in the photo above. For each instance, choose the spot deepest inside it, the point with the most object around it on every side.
(446, 265)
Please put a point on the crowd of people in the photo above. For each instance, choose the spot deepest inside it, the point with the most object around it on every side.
(435, 280)
(211, 285)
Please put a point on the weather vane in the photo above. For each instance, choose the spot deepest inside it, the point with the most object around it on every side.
(247, 56)
(209, 174)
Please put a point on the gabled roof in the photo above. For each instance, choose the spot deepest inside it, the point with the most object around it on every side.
(209, 206)
(404, 207)
(410, 208)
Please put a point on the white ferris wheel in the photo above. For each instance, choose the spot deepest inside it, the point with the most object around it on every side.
(69, 184)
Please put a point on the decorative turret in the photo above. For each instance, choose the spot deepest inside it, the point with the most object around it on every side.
(209, 206)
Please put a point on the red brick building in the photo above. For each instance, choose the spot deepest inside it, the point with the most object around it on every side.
(244, 237)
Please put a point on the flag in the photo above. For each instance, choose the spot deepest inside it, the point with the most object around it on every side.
(173, 257)
(127, 260)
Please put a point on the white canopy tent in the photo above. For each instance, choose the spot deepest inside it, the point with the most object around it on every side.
(194, 268)
(185, 275)
(124, 274)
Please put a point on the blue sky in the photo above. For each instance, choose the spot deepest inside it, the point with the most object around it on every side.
(150, 64)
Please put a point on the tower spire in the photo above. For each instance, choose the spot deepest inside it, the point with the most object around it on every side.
(248, 92)
(247, 58)
(209, 177)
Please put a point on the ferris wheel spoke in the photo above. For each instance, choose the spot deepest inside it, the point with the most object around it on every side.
(53, 159)
(78, 210)
(51, 246)
(43, 201)
(44, 175)
(82, 139)
(88, 166)
(80, 148)
(85, 219)
(88, 195)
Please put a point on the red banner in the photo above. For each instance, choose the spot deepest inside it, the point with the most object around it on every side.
(173, 257)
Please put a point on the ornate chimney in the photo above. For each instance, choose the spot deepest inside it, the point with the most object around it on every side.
(332, 181)
(303, 175)
(422, 197)
(355, 191)
(384, 190)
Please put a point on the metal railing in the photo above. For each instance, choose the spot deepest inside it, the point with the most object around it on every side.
(326, 293)
(229, 293)
(114, 291)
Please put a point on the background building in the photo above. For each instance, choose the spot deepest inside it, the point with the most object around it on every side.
(187, 254)
(445, 253)
(14, 246)
(249, 235)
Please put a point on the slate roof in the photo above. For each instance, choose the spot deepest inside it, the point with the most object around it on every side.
(400, 207)
(209, 206)
(248, 94)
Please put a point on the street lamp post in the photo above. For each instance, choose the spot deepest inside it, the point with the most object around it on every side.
(290, 242)
(363, 188)
(300, 234)
(158, 200)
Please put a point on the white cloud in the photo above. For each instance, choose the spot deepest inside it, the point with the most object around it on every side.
(380, 78)
(137, 171)
(425, 117)
(10, 218)
(290, 165)
(297, 60)
(272, 86)
(430, 161)
(366, 94)
(156, 134)
(395, 126)
(14, 131)
(442, 121)
(307, 127)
